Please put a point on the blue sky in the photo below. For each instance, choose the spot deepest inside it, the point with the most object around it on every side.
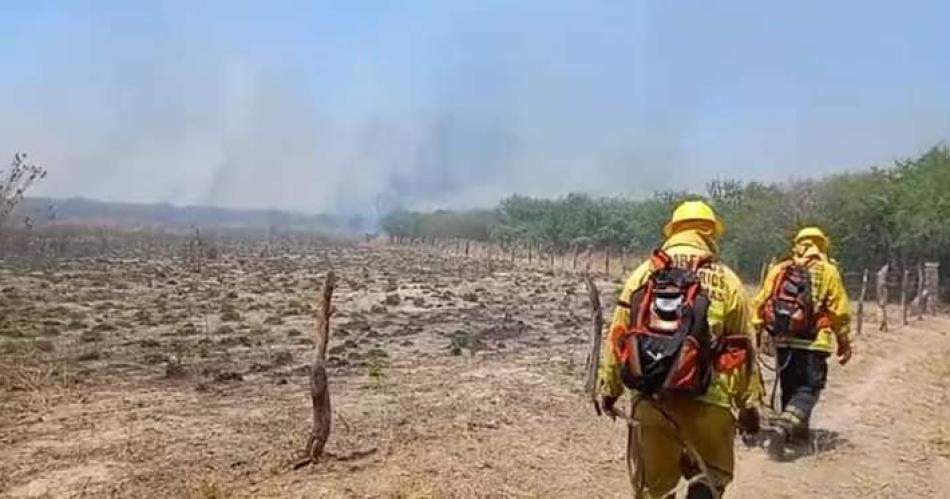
(326, 106)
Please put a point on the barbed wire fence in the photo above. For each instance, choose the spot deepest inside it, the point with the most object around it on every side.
(579, 258)
(914, 290)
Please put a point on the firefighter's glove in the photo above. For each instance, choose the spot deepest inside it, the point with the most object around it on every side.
(749, 421)
(607, 405)
(844, 350)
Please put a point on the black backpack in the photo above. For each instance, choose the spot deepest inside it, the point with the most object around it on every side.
(667, 348)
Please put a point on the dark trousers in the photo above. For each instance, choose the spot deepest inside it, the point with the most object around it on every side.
(803, 375)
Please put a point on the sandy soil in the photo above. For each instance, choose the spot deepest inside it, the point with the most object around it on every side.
(157, 377)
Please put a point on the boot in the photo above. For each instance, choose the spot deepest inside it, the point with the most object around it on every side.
(799, 433)
(781, 434)
(703, 490)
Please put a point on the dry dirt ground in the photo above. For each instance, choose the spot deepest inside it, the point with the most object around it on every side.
(156, 377)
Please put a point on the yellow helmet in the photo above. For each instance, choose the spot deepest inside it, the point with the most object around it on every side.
(694, 211)
(814, 234)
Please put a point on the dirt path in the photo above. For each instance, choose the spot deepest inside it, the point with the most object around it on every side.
(886, 419)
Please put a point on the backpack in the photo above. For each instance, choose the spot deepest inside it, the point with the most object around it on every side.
(789, 309)
(667, 347)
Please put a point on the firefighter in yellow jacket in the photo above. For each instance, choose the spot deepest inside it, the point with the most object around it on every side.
(705, 421)
(803, 308)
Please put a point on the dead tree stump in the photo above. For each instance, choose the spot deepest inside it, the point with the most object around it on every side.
(319, 391)
(596, 332)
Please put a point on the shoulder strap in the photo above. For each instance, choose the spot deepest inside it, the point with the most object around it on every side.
(660, 259)
(703, 262)
(783, 268)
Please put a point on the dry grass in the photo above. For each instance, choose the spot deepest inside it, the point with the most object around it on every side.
(207, 489)
(466, 386)
(939, 441)
(42, 381)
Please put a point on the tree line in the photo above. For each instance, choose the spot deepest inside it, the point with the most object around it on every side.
(898, 215)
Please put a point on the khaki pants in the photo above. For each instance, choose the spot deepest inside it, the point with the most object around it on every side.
(708, 428)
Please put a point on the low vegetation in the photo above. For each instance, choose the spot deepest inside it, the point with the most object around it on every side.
(882, 215)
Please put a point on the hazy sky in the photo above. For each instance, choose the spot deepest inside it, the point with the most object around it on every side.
(349, 105)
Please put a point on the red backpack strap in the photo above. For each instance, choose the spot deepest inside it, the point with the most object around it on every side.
(702, 262)
(643, 311)
(660, 259)
(784, 267)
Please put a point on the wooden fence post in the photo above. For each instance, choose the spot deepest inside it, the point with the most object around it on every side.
(319, 389)
(607, 261)
(932, 276)
(596, 332)
(881, 292)
(864, 289)
(936, 286)
(905, 284)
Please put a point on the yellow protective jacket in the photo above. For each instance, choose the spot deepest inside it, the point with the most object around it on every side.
(828, 295)
(728, 314)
